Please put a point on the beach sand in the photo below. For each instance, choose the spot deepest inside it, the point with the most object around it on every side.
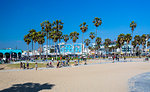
(111, 77)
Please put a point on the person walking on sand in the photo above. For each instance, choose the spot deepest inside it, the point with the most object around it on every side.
(36, 65)
(27, 65)
(20, 65)
(58, 64)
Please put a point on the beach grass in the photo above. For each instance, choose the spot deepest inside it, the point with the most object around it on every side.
(31, 65)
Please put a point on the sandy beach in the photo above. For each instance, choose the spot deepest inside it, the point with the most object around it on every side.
(111, 77)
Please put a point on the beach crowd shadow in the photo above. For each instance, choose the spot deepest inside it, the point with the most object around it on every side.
(28, 87)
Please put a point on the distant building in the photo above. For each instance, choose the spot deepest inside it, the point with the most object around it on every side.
(63, 49)
(10, 53)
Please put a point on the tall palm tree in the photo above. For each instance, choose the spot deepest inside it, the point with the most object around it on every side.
(137, 39)
(30, 36)
(34, 38)
(27, 40)
(98, 42)
(97, 22)
(134, 44)
(55, 35)
(46, 28)
(107, 43)
(120, 41)
(66, 38)
(57, 25)
(74, 36)
(143, 41)
(40, 40)
(148, 43)
(83, 28)
(127, 39)
(92, 35)
(87, 42)
(133, 26)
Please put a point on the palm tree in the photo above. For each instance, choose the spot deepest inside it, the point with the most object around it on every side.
(127, 38)
(134, 44)
(66, 38)
(97, 22)
(120, 41)
(55, 36)
(83, 28)
(137, 39)
(148, 43)
(143, 40)
(40, 40)
(107, 43)
(133, 26)
(46, 28)
(87, 42)
(57, 25)
(92, 35)
(27, 40)
(34, 38)
(98, 42)
(74, 36)
(30, 37)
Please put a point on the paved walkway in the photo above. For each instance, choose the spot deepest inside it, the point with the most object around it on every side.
(67, 66)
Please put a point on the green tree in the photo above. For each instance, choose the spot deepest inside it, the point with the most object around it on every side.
(27, 40)
(106, 44)
(30, 37)
(55, 35)
(74, 36)
(83, 28)
(143, 41)
(134, 44)
(66, 38)
(120, 41)
(137, 39)
(87, 42)
(98, 42)
(132, 26)
(97, 22)
(92, 35)
(148, 43)
(40, 41)
(46, 28)
(127, 39)
(34, 38)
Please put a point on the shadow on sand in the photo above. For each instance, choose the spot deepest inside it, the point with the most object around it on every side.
(28, 87)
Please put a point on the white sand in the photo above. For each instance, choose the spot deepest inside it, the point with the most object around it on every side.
(92, 78)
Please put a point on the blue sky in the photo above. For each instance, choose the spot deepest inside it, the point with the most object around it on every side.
(17, 17)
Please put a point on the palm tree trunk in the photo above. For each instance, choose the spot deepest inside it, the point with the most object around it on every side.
(34, 49)
(82, 43)
(40, 51)
(132, 40)
(126, 48)
(64, 48)
(74, 49)
(28, 51)
(96, 31)
(47, 46)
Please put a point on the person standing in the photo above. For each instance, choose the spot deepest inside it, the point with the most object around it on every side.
(58, 64)
(21, 65)
(27, 65)
(36, 65)
(78, 59)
